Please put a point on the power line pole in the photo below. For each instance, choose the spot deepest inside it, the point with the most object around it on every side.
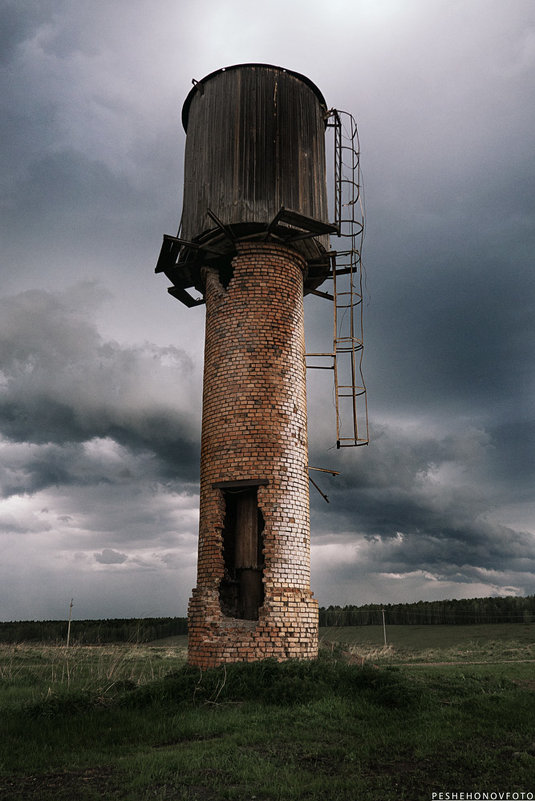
(69, 625)
(384, 625)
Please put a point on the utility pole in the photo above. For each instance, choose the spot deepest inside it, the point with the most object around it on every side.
(384, 625)
(69, 626)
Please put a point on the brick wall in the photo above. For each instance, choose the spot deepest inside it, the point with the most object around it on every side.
(255, 431)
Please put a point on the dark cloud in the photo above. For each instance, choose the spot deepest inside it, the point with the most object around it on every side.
(68, 187)
(424, 502)
(20, 22)
(459, 340)
(63, 386)
(514, 466)
(110, 557)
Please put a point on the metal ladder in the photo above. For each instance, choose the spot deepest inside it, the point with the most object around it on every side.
(346, 275)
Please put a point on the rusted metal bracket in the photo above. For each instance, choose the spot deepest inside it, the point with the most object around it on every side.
(170, 250)
(320, 294)
(184, 297)
(322, 470)
(226, 229)
(300, 226)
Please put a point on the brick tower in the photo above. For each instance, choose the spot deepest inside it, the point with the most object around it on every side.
(253, 597)
(253, 241)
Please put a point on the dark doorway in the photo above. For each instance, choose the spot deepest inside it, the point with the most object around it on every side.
(241, 591)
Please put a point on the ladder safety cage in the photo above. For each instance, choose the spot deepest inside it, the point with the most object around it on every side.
(347, 296)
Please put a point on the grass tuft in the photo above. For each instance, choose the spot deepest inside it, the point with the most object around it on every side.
(285, 684)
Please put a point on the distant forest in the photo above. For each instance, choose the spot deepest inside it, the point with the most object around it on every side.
(98, 632)
(464, 611)
(94, 632)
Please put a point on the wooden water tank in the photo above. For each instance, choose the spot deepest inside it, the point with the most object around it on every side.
(255, 143)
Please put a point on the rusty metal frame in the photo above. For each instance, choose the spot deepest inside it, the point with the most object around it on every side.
(347, 295)
(322, 470)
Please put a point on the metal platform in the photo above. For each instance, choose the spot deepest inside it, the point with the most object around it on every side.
(181, 260)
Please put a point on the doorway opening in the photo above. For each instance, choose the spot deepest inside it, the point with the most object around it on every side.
(241, 591)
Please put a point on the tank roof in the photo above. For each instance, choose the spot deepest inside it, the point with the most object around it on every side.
(298, 75)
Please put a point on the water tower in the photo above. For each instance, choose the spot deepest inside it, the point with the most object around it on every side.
(254, 238)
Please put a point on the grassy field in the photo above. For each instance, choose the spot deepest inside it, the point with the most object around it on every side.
(441, 709)
(417, 644)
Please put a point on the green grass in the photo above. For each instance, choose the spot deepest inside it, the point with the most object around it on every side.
(471, 643)
(135, 723)
(30, 672)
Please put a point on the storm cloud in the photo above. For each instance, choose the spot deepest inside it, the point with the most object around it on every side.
(63, 384)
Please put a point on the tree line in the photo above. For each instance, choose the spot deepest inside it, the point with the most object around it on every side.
(94, 632)
(509, 609)
(133, 630)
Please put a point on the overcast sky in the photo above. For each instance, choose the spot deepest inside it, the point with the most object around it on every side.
(100, 369)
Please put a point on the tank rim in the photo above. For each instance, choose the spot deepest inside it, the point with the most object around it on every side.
(192, 92)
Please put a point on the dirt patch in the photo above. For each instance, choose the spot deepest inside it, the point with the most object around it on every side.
(526, 684)
(90, 783)
(100, 782)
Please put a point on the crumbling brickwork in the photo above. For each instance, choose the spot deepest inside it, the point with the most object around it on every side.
(252, 604)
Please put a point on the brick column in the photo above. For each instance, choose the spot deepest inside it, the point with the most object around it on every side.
(251, 603)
